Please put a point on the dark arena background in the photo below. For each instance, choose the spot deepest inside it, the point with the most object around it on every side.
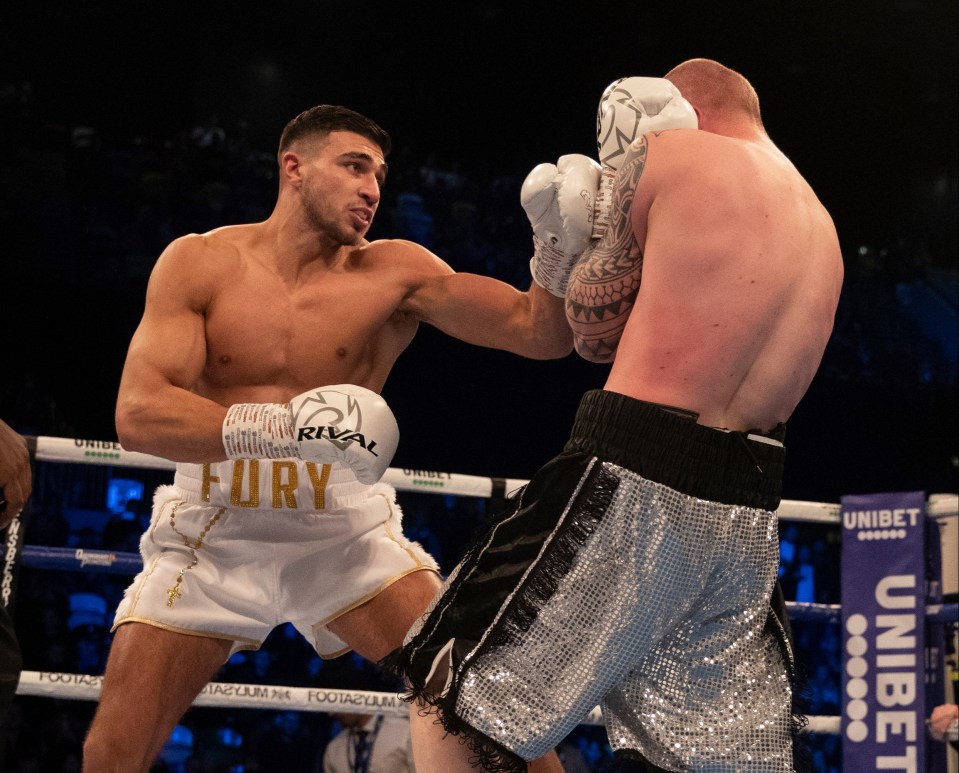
(123, 126)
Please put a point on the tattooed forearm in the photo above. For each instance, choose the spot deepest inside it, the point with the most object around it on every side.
(601, 288)
(598, 309)
(604, 284)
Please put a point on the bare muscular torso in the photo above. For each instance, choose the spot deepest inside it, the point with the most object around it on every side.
(740, 280)
(270, 336)
(229, 320)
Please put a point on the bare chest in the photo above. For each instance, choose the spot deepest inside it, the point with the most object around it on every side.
(260, 333)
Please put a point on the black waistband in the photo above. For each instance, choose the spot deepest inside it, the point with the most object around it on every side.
(666, 445)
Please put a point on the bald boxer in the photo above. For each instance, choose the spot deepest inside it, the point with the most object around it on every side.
(257, 367)
(636, 568)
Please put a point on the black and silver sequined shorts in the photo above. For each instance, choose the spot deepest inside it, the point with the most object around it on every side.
(633, 571)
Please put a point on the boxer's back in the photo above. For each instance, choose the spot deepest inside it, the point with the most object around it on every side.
(740, 281)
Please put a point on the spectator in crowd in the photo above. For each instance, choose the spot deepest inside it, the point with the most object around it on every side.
(367, 743)
(943, 723)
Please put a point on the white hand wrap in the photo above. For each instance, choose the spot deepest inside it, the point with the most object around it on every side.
(559, 201)
(259, 431)
(629, 108)
(340, 423)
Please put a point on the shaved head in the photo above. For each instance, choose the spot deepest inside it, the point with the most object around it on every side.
(715, 88)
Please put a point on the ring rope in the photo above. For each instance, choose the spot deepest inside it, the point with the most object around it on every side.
(106, 452)
(51, 684)
(113, 562)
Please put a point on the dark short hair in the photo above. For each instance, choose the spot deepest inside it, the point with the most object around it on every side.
(320, 120)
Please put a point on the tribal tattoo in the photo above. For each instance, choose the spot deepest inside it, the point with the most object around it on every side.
(605, 282)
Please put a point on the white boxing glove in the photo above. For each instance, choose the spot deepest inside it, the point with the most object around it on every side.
(341, 423)
(559, 201)
(629, 108)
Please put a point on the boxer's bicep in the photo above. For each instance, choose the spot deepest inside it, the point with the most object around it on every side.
(170, 341)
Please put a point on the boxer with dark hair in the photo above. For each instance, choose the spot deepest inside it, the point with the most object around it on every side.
(257, 367)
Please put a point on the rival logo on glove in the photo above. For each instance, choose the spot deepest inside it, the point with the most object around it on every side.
(316, 433)
(320, 405)
(327, 425)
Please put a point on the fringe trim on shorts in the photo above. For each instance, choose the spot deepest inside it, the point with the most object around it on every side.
(577, 523)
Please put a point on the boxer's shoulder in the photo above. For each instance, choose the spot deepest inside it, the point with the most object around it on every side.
(386, 249)
(402, 256)
(227, 243)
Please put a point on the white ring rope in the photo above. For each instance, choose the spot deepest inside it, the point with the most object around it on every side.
(86, 687)
(106, 452)
(50, 684)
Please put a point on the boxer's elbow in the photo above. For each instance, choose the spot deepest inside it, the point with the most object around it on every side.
(553, 347)
(589, 352)
(131, 421)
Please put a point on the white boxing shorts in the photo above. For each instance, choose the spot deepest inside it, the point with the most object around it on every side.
(235, 549)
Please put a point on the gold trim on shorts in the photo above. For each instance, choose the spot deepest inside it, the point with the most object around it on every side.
(245, 644)
(362, 600)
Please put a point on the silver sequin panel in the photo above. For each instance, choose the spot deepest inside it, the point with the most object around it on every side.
(660, 620)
